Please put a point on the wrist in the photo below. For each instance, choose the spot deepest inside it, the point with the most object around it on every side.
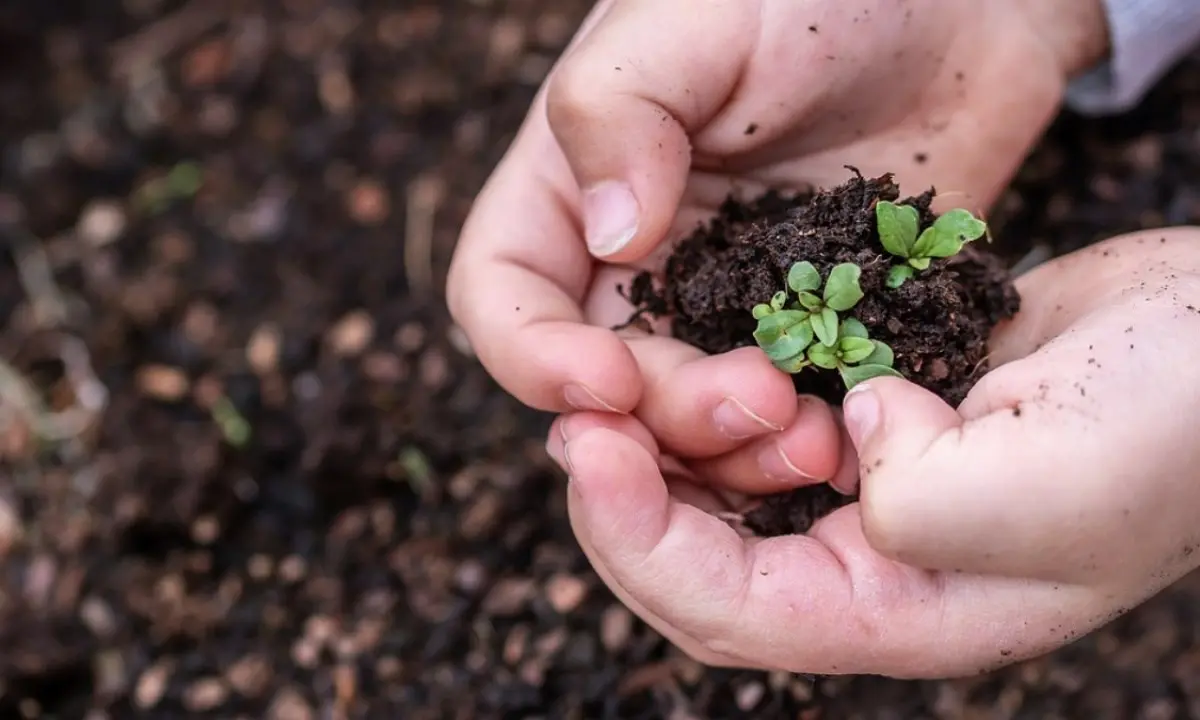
(1075, 31)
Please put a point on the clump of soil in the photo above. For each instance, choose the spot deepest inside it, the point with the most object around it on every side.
(937, 323)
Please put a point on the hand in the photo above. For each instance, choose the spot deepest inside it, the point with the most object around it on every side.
(662, 107)
(1062, 492)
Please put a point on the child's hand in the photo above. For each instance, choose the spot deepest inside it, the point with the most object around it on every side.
(1062, 492)
(659, 109)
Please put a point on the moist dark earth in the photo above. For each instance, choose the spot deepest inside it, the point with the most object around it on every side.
(301, 497)
(937, 323)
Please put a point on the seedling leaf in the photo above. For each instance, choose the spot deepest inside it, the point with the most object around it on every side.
(919, 263)
(810, 301)
(852, 328)
(961, 225)
(772, 327)
(825, 325)
(762, 310)
(842, 291)
(823, 357)
(779, 300)
(882, 355)
(899, 275)
(855, 374)
(855, 350)
(793, 365)
(792, 342)
(898, 225)
(803, 277)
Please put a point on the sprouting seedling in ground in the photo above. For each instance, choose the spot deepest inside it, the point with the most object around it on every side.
(855, 356)
(784, 331)
(899, 232)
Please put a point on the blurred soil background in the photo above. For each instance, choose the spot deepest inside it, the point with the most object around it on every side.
(248, 467)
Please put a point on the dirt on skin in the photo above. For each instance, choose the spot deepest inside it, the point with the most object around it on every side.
(937, 323)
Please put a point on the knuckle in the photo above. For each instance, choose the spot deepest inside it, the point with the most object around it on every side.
(570, 95)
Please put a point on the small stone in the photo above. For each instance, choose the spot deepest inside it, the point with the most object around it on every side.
(368, 203)
(293, 568)
(565, 593)
(250, 675)
(508, 596)
(101, 222)
(110, 674)
(750, 695)
(97, 616)
(206, 529)
(10, 527)
(616, 625)
(289, 704)
(205, 694)
(162, 382)
(262, 351)
(151, 686)
(352, 334)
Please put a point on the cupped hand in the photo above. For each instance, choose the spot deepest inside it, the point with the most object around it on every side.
(656, 112)
(1062, 492)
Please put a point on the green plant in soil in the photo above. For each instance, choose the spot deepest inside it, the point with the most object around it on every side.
(808, 332)
(898, 225)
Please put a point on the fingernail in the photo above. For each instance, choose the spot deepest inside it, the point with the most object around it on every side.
(610, 217)
(566, 452)
(580, 398)
(735, 421)
(777, 466)
(861, 412)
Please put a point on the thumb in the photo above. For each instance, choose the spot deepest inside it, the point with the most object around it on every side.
(624, 101)
(927, 476)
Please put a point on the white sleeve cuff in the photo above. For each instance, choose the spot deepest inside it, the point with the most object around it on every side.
(1148, 38)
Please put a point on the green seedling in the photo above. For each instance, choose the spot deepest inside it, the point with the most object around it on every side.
(899, 232)
(855, 356)
(784, 331)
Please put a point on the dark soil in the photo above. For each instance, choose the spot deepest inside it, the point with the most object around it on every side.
(937, 323)
(389, 541)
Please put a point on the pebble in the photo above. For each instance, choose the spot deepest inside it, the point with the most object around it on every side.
(262, 351)
(249, 675)
(162, 382)
(110, 673)
(97, 616)
(565, 593)
(368, 203)
(352, 334)
(10, 526)
(101, 222)
(750, 695)
(289, 704)
(151, 686)
(616, 625)
(205, 694)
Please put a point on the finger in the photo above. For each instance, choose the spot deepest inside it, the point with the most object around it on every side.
(701, 406)
(623, 103)
(821, 604)
(570, 425)
(806, 452)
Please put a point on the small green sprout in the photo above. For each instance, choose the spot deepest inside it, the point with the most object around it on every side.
(819, 312)
(787, 333)
(784, 333)
(898, 231)
(855, 356)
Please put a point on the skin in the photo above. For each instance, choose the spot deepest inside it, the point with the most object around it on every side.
(961, 555)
